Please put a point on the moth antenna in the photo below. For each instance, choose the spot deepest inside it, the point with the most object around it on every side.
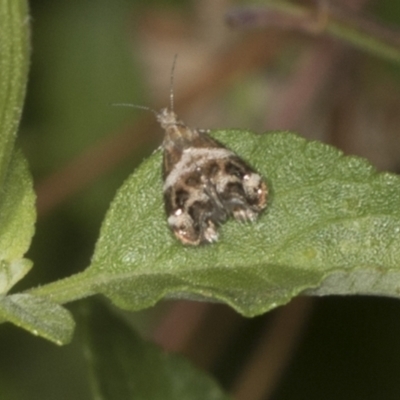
(135, 106)
(171, 87)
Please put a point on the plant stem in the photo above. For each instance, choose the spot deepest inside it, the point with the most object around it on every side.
(66, 290)
(359, 31)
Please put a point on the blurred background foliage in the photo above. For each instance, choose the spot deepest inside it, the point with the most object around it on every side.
(87, 55)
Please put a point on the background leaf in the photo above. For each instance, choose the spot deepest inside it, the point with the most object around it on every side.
(14, 58)
(17, 209)
(17, 199)
(327, 215)
(126, 367)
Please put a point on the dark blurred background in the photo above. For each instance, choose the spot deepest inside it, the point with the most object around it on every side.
(87, 55)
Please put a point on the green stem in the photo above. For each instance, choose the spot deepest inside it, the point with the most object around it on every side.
(68, 289)
(365, 34)
(357, 30)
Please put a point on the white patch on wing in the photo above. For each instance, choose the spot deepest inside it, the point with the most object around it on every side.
(193, 158)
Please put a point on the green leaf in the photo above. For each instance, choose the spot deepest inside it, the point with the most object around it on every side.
(39, 316)
(17, 200)
(17, 208)
(14, 60)
(126, 367)
(330, 221)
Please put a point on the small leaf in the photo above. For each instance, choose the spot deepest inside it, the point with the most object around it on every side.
(332, 225)
(17, 211)
(126, 367)
(38, 316)
(17, 219)
(12, 272)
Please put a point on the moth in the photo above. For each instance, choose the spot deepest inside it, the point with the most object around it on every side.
(204, 183)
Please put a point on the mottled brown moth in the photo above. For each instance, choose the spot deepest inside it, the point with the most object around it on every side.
(204, 182)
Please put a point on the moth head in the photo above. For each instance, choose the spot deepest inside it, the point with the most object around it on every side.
(166, 118)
